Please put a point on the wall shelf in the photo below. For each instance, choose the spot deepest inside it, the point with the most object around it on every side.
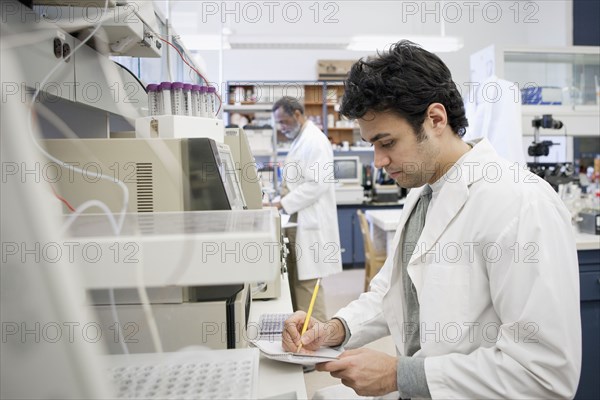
(569, 73)
(320, 99)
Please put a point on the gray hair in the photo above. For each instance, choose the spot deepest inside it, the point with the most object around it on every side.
(289, 105)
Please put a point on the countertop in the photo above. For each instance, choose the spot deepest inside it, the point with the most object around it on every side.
(388, 220)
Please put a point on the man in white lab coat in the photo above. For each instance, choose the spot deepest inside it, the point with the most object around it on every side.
(308, 196)
(482, 298)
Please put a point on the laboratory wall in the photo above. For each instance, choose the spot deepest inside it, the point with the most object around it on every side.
(545, 23)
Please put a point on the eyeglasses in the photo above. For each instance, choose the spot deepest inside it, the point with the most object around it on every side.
(287, 123)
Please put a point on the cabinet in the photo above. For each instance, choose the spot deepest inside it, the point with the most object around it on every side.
(589, 282)
(351, 240)
(570, 77)
(564, 82)
(346, 223)
(570, 74)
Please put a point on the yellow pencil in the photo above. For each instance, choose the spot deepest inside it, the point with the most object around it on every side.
(310, 310)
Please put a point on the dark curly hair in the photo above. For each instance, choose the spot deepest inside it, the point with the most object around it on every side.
(404, 80)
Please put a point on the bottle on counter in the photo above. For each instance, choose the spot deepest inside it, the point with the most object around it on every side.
(212, 102)
(204, 100)
(154, 106)
(177, 98)
(187, 99)
(164, 94)
(196, 101)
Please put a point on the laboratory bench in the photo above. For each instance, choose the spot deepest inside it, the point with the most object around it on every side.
(277, 379)
(270, 379)
(351, 240)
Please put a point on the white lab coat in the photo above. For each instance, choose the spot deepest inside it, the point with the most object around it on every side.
(495, 113)
(308, 172)
(519, 278)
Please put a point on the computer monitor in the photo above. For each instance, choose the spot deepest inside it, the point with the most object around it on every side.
(347, 170)
(230, 178)
(245, 165)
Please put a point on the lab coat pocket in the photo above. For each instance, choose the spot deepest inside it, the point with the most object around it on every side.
(444, 301)
(308, 218)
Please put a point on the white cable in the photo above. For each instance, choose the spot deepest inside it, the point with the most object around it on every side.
(143, 293)
(67, 131)
(117, 226)
(115, 315)
(89, 204)
(111, 293)
(260, 287)
(56, 160)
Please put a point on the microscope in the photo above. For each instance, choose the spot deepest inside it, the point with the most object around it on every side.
(554, 174)
(537, 148)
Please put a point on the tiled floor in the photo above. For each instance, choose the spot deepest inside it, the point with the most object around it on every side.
(341, 289)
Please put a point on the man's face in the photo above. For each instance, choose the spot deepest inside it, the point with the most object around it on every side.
(289, 124)
(409, 162)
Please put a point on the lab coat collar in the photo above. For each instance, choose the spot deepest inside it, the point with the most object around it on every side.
(299, 139)
(454, 193)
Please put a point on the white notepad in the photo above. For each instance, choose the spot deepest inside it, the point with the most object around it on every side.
(273, 350)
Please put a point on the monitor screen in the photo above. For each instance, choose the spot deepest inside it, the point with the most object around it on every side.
(230, 179)
(214, 184)
(245, 166)
(347, 170)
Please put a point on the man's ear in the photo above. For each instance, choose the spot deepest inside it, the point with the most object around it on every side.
(437, 116)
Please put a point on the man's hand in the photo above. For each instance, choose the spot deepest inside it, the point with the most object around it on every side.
(276, 204)
(330, 333)
(368, 372)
